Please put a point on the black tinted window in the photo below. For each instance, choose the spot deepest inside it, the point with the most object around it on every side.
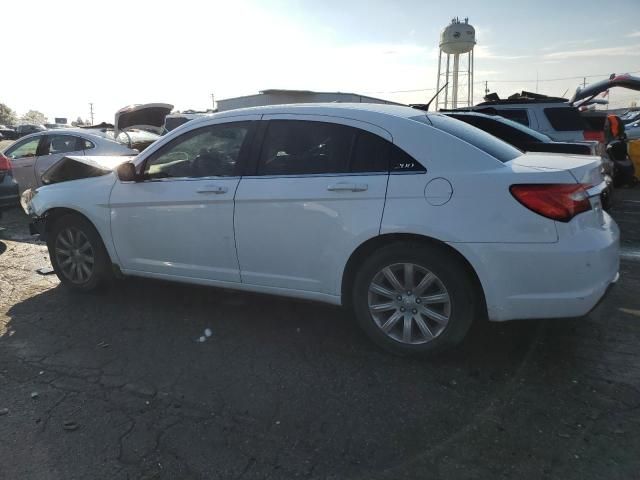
(498, 129)
(206, 152)
(370, 154)
(564, 119)
(519, 116)
(484, 141)
(294, 147)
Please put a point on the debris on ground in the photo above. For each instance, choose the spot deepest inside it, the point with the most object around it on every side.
(45, 271)
(3, 411)
(70, 426)
(34, 395)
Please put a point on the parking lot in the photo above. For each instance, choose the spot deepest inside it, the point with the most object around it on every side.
(117, 385)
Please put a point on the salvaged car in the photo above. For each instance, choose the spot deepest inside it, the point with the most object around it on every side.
(9, 196)
(419, 223)
(136, 127)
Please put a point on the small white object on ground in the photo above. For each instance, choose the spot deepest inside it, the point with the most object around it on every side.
(202, 339)
(34, 395)
(208, 332)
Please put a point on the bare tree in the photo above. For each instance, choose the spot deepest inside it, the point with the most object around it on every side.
(35, 117)
(7, 116)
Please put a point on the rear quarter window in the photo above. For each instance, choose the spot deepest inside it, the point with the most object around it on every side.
(516, 115)
(565, 119)
(489, 144)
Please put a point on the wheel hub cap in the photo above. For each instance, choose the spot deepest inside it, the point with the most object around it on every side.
(409, 303)
(74, 255)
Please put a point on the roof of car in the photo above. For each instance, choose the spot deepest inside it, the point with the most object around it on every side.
(353, 110)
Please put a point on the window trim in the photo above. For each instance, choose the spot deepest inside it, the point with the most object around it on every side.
(240, 162)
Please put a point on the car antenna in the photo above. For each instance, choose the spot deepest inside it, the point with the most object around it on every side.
(433, 98)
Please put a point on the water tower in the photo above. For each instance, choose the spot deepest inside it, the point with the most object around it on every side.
(457, 39)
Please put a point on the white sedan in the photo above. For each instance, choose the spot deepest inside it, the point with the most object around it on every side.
(418, 222)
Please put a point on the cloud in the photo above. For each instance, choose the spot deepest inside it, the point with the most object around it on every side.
(595, 52)
(485, 51)
(633, 35)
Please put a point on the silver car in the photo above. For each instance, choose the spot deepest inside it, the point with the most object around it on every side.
(34, 154)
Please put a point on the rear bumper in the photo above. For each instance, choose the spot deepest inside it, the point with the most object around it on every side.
(563, 279)
(9, 195)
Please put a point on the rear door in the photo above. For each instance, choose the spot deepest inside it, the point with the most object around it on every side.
(52, 149)
(316, 191)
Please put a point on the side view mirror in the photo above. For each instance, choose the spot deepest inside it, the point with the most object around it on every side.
(127, 172)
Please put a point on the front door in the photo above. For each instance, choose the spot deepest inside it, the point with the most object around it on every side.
(317, 191)
(178, 221)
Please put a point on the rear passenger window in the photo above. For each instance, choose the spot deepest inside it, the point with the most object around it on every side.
(370, 154)
(294, 147)
(87, 144)
(565, 119)
(519, 116)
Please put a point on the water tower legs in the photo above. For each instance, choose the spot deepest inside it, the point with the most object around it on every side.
(454, 92)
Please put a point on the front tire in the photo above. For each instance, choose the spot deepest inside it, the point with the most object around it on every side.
(414, 299)
(77, 254)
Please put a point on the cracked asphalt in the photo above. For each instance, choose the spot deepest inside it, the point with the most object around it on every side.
(115, 385)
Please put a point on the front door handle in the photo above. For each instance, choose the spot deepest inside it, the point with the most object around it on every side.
(215, 189)
(347, 187)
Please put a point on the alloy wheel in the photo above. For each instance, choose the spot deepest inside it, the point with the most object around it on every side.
(75, 255)
(409, 303)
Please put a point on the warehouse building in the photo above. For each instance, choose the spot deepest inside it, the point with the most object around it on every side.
(280, 97)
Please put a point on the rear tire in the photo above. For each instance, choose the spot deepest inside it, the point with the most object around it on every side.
(77, 254)
(414, 299)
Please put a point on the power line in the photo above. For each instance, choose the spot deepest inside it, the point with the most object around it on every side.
(484, 82)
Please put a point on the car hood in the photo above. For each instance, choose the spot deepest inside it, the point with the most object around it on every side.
(625, 81)
(75, 168)
(149, 116)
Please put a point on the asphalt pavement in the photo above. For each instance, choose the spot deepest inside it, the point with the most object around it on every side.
(119, 385)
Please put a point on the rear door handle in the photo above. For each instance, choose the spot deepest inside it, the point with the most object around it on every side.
(347, 187)
(215, 189)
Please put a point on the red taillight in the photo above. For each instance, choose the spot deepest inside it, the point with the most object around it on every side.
(5, 163)
(596, 135)
(559, 202)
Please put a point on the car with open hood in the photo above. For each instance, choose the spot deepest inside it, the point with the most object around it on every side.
(136, 127)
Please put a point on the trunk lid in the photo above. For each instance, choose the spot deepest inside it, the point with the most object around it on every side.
(149, 116)
(585, 169)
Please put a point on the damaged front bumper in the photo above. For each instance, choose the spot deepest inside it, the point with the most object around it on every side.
(38, 227)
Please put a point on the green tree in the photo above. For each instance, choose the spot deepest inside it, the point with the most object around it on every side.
(34, 116)
(7, 116)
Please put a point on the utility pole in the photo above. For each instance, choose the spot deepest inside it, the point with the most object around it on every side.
(584, 82)
(536, 81)
(213, 102)
(486, 87)
(91, 111)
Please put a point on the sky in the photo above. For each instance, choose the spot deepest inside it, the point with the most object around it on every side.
(119, 53)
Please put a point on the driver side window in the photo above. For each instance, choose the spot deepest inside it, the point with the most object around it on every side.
(211, 151)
